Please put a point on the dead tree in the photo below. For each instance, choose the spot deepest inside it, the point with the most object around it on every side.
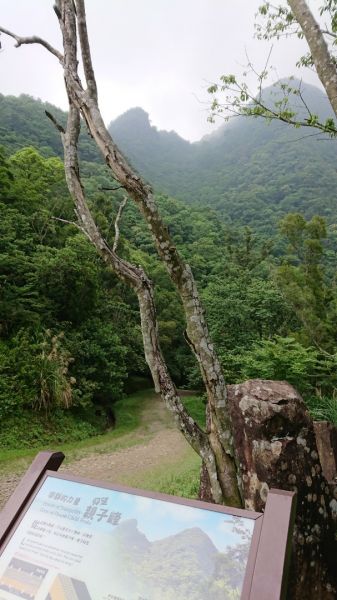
(214, 445)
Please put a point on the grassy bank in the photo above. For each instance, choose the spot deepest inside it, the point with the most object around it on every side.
(127, 412)
(133, 427)
(180, 479)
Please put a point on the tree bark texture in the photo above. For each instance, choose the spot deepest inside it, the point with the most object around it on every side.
(326, 440)
(323, 60)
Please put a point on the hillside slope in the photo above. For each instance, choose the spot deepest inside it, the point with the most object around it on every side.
(252, 173)
(23, 122)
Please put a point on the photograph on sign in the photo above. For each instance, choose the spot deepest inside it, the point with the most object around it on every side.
(82, 542)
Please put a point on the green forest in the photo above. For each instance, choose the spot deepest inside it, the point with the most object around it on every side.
(263, 254)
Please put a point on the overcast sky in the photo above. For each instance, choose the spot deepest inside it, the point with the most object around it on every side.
(157, 54)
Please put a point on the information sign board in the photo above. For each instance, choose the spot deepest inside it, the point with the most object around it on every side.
(78, 539)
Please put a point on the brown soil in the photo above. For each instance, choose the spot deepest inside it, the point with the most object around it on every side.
(155, 443)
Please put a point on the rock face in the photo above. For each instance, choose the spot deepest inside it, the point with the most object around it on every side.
(326, 439)
(276, 446)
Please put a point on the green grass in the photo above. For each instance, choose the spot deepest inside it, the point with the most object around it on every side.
(323, 409)
(128, 416)
(196, 407)
(181, 478)
(178, 479)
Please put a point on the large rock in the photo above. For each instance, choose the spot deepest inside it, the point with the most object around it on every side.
(276, 446)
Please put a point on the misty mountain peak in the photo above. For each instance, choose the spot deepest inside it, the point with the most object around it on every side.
(246, 168)
(134, 117)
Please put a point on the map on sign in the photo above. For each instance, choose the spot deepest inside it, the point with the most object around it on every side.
(82, 542)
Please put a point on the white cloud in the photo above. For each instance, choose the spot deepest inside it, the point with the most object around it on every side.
(156, 54)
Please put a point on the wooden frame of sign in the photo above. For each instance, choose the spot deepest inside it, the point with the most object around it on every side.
(260, 543)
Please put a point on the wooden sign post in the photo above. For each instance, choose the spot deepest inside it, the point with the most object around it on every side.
(63, 537)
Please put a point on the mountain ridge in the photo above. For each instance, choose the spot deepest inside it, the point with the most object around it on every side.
(245, 169)
(250, 172)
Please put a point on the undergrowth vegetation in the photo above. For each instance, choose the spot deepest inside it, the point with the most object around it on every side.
(23, 435)
(70, 337)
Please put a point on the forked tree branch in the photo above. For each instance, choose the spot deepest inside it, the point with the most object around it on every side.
(179, 271)
(134, 276)
(118, 218)
(58, 126)
(85, 48)
(215, 447)
(110, 189)
(20, 41)
(73, 223)
(137, 279)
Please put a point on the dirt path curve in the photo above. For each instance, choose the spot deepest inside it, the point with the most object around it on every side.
(155, 443)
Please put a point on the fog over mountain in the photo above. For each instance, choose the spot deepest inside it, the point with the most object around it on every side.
(245, 169)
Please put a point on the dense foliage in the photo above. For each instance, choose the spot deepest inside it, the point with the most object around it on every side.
(70, 340)
(251, 172)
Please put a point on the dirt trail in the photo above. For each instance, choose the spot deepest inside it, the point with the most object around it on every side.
(155, 443)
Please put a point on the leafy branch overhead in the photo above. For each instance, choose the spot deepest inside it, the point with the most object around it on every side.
(278, 21)
(233, 96)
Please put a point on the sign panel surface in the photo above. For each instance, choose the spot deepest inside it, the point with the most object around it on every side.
(78, 541)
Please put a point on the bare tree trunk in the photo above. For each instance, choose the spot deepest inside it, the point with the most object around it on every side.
(215, 447)
(218, 453)
(137, 279)
(323, 60)
(223, 472)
